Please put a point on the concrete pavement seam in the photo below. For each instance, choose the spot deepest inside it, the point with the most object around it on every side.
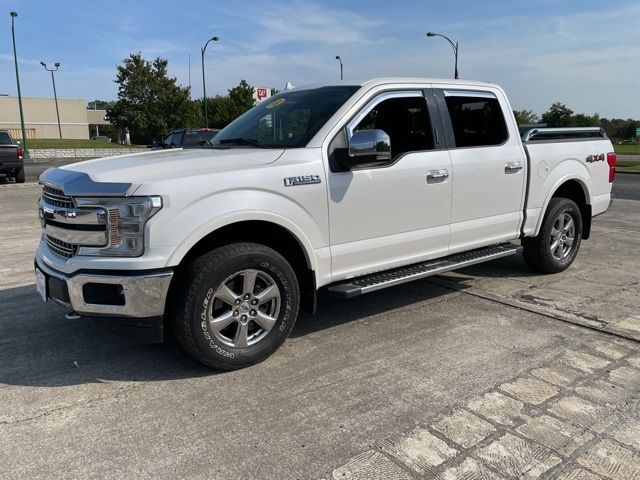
(469, 290)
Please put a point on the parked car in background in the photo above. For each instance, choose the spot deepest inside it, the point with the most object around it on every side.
(188, 138)
(101, 138)
(11, 164)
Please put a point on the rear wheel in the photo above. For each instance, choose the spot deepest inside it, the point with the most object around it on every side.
(20, 175)
(556, 246)
(235, 305)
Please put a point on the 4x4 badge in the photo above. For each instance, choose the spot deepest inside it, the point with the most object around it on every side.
(595, 158)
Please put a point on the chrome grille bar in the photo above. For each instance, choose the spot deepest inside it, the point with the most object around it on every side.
(60, 248)
(56, 197)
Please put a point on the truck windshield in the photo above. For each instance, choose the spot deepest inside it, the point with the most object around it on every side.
(286, 120)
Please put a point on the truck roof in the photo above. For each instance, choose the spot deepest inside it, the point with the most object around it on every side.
(374, 82)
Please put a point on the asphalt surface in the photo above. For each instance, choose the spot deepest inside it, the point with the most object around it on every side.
(491, 370)
(627, 186)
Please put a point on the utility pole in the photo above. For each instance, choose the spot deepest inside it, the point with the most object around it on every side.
(95, 107)
(25, 152)
(55, 94)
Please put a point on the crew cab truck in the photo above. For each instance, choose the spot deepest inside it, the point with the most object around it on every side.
(346, 187)
(11, 162)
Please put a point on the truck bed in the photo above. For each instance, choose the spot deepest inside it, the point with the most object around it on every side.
(554, 155)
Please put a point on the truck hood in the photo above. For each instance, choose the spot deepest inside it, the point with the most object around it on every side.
(139, 168)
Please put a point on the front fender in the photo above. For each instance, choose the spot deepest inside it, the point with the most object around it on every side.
(199, 219)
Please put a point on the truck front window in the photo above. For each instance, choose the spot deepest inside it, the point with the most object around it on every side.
(287, 120)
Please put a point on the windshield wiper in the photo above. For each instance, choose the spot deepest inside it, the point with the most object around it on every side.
(250, 142)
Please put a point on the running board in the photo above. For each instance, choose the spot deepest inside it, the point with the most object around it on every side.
(388, 278)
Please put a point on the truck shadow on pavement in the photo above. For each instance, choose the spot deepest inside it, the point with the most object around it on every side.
(39, 347)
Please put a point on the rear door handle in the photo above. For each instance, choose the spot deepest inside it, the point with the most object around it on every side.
(512, 167)
(436, 176)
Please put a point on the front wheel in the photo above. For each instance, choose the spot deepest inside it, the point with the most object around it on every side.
(556, 246)
(235, 305)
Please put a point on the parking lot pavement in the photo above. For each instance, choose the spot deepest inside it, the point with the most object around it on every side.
(462, 376)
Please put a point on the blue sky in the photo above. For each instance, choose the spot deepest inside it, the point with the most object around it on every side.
(584, 53)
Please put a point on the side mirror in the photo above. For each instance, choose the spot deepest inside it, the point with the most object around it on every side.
(369, 146)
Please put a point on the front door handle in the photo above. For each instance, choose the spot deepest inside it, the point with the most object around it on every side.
(512, 167)
(435, 176)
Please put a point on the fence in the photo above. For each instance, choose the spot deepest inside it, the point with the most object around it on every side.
(16, 133)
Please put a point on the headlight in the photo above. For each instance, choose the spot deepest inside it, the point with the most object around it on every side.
(125, 219)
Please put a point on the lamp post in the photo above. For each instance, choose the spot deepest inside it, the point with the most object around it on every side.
(15, 59)
(453, 45)
(340, 60)
(55, 95)
(204, 85)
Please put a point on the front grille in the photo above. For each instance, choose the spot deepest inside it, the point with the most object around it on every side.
(56, 197)
(60, 248)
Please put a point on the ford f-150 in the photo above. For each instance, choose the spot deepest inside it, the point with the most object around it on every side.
(346, 187)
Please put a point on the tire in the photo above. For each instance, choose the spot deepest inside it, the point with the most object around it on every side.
(561, 231)
(235, 305)
(20, 176)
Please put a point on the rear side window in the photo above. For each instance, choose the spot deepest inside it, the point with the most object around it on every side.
(477, 121)
(5, 139)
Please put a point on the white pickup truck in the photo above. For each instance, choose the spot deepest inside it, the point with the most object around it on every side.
(346, 187)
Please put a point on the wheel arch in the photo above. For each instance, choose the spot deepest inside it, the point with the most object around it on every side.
(268, 233)
(574, 189)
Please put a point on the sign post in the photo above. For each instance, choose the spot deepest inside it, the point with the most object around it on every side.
(637, 139)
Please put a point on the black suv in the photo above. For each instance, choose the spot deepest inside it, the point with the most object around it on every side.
(188, 138)
(11, 163)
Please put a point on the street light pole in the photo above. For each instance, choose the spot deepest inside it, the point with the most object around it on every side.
(55, 94)
(204, 84)
(340, 60)
(15, 59)
(455, 50)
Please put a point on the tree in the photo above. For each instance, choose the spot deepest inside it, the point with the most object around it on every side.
(524, 117)
(558, 115)
(100, 104)
(150, 103)
(226, 109)
(241, 97)
(582, 120)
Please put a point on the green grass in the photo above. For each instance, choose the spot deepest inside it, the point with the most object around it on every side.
(627, 149)
(64, 143)
(628, 167)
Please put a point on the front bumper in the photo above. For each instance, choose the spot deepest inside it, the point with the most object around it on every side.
(10, 166)
(132, 305)
(139, 295)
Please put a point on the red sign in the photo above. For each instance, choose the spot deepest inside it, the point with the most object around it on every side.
(261, 93)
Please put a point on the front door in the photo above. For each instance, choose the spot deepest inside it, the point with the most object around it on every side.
(396, 213)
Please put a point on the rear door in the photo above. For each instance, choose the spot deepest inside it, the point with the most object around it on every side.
(488, 167)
